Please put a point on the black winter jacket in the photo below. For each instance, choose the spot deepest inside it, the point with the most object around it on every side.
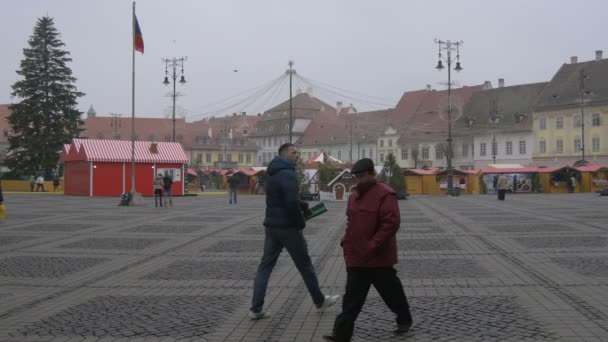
(283, 205)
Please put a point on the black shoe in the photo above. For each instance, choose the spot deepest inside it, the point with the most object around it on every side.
(402, 328)
(329, 337)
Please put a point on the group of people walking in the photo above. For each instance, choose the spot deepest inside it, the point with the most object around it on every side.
(369, 244)
(162, 190)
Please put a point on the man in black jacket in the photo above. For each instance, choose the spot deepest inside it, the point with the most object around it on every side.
(283, 223)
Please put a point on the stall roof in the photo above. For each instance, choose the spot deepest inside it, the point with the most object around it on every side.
(98, 150)
(522, 169)
(322, 158)
(591, 168)
(459, 172)
(192, 172)
(423, 172)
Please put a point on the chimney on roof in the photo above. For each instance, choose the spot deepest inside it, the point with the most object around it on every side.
(486, 85)
(501, 83)
(154, 147)
(598, 55)
(428, 87)
(233, 114)
(573, 60)
(243, 113)
(338, 107)
(259, 115)
(309, 91)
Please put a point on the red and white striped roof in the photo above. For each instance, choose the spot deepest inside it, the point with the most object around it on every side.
(117, 151)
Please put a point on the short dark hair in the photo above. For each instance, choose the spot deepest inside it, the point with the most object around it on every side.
(284, 147)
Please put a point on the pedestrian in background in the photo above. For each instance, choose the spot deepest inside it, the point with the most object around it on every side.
(233, 186)
(56, 182)
(283, 223)
(40, 183)
(370, 252)
(503, 186)
(158, 190)
(167, 187)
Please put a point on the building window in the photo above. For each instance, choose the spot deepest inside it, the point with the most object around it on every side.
(381, 143)
(559, 122)
(560, 146)
(260, 160)
(577, 144)
(438, 152)
(248, 158)
(542, 123)
(220, 157)
(509, 148)
(363, 153)
(595, 144)
(229, 157)
(390, 142)
(482, 149)
(350, 154)
(465, 150)
(595, 119)
(340, 155)
(199, 157)
(404, 154)
(274, 141)
(382, 157)
(240, 157)
(371, 154)
(522, 147)
(543, 146)
(576, 120)
(425, 153)
(208, 157)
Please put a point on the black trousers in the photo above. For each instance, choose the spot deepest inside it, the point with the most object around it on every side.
(358, 282)
(501, 194)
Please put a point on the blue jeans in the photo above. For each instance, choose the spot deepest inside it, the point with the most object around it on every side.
(232, 194)
(167, 193)
(293, 240)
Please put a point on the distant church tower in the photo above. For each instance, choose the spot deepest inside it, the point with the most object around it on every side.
(91, 113)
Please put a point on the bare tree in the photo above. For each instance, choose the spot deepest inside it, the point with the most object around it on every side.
(415, 155)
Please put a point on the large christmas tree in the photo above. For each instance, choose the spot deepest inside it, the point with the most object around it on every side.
(45, 117)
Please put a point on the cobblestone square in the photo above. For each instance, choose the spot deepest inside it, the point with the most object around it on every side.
(531, 268)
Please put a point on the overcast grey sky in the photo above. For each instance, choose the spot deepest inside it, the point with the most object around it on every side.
(376, 48)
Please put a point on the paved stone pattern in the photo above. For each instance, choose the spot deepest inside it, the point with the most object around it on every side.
(44, 267)
(531, 268)
(196, 270)
(113, 243)
(455, 318)
(138, 316)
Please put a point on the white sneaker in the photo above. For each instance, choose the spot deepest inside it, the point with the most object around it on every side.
(328, 302)
(258, 315)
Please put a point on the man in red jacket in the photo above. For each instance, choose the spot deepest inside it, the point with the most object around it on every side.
(370, 252)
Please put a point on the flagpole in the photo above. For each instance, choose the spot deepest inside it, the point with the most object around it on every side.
(133, 104)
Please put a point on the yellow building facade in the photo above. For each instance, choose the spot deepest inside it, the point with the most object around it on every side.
(558, 135)
(209, 158)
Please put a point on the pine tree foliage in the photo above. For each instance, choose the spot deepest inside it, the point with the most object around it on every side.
(45, 116)
(392, 175)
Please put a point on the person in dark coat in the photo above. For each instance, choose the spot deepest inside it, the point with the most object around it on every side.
(233, 185)
(283, 223)
(514, 184)
(370, 252)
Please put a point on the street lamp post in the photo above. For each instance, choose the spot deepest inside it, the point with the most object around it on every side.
(583, 92)
(494, 118)
(174, 63)
(448, 46)
(291, 71)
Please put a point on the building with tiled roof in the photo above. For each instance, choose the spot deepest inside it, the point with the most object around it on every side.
(558, 126)
(421, 121)
(210, 143)
(499, 121)
(347, 137)
(272, 130)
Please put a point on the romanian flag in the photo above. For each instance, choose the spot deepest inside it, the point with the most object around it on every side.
(138, 39)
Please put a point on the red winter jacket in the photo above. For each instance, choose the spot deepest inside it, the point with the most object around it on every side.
(373, 221)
